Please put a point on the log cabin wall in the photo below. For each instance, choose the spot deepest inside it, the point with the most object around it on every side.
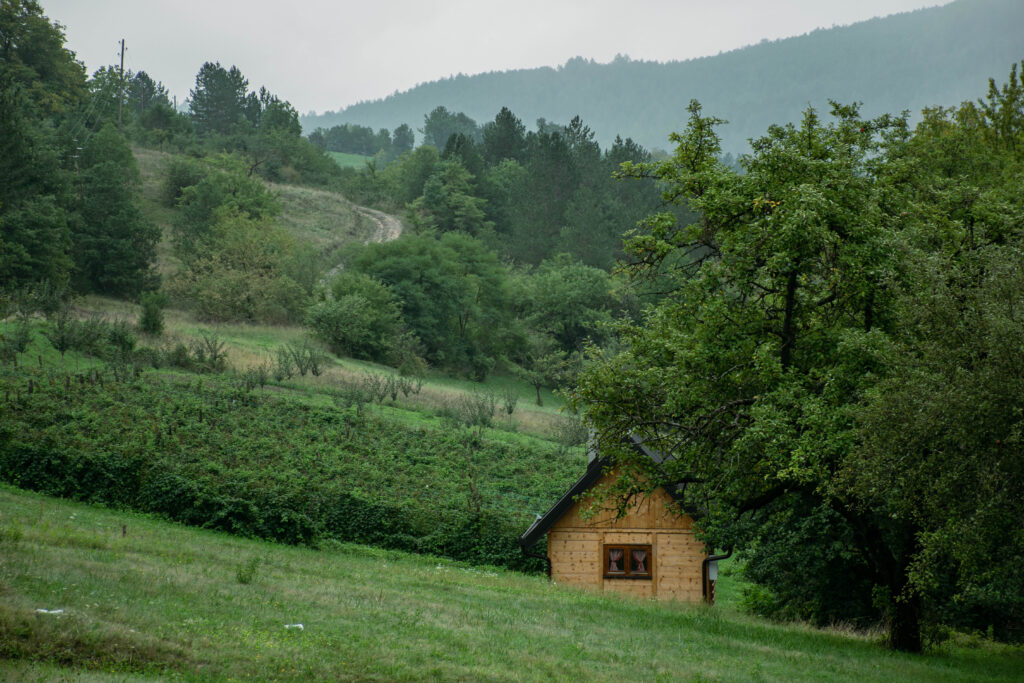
(575, 546)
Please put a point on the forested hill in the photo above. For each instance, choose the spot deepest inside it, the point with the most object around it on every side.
(933, 56)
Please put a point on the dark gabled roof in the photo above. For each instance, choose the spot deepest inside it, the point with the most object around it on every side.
(594, 471)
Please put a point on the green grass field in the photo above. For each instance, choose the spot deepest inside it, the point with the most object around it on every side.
(346, 160)
(143, 599)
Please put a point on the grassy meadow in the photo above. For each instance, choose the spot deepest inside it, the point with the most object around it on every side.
(144, 599)
(346, 160)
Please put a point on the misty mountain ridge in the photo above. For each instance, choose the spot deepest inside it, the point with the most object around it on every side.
(908, 61)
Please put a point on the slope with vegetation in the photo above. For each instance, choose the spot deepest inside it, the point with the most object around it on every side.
(825, 333)
(141, 599)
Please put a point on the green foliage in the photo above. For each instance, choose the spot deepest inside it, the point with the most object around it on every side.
(151, 321)
(454, 295)
(306, 358)
(504, 138)
(440, 124)
(567, 300)
(113, 245)
(34, 235)
(218, 190)
(209, 353)
(359, 140)
(181, 172)
(246, 572)
(237, 263)
(218, 102)
(527, 195)
(448, 202)
(205, 454)
(261, 128)
(361, 318)
(36, 61)
(838, 319)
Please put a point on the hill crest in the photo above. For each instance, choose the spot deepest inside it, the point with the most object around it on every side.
(906, 61)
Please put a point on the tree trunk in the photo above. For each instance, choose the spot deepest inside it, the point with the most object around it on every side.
(905, 628)
(539, 401)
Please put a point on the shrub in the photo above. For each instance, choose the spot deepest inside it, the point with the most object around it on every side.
(152, 318)
(306, 358)
(180, 173)
(284, 365)
(208, 353)
(121, 338)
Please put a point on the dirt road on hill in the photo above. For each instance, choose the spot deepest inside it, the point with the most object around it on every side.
(388, 227)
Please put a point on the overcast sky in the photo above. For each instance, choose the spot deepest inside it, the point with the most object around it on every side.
(324, 54)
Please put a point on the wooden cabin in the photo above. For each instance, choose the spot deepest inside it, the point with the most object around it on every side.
(649, 552)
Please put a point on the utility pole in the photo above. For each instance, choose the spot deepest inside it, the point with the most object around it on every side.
(120, 88)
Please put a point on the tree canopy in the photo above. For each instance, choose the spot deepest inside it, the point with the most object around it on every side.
(829, 363)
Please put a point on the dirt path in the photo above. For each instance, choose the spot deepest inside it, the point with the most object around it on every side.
(388, 227)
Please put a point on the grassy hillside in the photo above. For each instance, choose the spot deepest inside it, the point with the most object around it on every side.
(322, 218)
(327, 221)
(932, 56)
(144, 599)
(294, 461)
(248, 345)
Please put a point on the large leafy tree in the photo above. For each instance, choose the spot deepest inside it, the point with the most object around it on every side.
(402, 140)
(34, 193)
(114, 245)
(32, 55)
(941, 432)
(42, 87)
(749, 368)
(453, 292)
(835, 362)
(448, 202)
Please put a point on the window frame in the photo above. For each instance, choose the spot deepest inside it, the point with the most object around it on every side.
(628, 570)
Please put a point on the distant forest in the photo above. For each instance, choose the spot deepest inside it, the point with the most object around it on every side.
(901, 62)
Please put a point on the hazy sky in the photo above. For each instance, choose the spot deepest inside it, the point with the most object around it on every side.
(323, 54)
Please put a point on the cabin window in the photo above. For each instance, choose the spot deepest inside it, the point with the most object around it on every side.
(627, 561)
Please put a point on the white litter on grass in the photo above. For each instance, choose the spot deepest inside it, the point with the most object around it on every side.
(298, 626)
(49, 611)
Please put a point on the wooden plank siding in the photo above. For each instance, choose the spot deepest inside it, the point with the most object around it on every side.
(575, 546)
